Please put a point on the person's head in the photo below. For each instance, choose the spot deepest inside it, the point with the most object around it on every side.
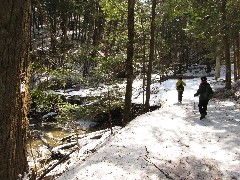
(204, 78)
(180, 78)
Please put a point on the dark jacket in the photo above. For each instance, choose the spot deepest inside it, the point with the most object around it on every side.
(205, 91)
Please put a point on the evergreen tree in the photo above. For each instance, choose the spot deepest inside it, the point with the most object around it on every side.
(14, 60)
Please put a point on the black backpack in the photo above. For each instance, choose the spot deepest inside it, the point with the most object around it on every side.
(208, 94)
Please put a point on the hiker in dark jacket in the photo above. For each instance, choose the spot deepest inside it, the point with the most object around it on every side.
(205, 93)
(180, 88)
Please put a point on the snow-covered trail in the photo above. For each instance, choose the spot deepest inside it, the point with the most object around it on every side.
(170, 143)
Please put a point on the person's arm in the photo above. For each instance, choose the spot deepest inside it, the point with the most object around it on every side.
(198, 91)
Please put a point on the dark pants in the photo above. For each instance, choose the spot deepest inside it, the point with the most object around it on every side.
(203, 106)
(180, 93)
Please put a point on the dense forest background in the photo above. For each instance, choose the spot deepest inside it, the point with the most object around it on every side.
(78, 44)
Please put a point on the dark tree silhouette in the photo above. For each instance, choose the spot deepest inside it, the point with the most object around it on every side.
(129, 63)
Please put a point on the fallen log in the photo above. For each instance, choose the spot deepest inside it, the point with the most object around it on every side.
(49, 169)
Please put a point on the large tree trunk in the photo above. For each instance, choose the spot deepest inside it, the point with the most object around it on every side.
(218, 67)
(226, 46)
(151, 56)
(64, 42)
(129, 64)
(234, 62)
(14, 72)
(54, 32)
(238, 56)
(218, 62)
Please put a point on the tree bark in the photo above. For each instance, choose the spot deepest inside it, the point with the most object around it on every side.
(226, 46)
(218, 53)
(234, 62)
(54, 33)
(14, 73)
(238, 56)
(151, 57)
(218, 66)
(129, 64)
(64, 42)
